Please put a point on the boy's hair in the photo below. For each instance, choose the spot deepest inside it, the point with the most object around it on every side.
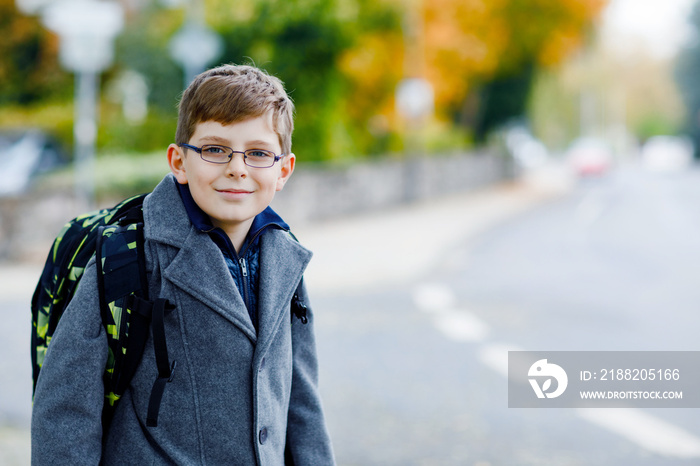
(232, 93)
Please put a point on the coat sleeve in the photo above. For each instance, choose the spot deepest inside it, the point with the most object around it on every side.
(67, 414)
(308, 441)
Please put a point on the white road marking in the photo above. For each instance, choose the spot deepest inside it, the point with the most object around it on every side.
(461, 326)
(647, 431)
(456, 324)
(434, 297)
(495, 356)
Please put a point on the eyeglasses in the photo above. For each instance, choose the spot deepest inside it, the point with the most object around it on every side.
(256, 158)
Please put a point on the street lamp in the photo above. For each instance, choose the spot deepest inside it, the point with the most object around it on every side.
(414, 99)
(194, 46)
(86, 29)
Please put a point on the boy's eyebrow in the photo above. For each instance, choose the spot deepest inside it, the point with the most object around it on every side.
(213, 139)
(258, 142)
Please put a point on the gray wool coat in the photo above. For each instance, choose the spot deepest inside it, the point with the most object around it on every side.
(238, 396)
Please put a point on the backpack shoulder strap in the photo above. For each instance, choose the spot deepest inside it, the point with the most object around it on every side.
(128, 314)
(121, 277)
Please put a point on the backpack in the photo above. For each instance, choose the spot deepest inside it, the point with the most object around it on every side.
(115, 237)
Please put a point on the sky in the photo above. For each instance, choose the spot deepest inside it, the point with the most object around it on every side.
(661, 25)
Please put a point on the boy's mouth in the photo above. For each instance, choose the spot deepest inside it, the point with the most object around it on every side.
(234, 193)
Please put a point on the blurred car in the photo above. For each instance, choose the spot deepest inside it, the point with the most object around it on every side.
(667, 153)
(589, 156)
(25, 154)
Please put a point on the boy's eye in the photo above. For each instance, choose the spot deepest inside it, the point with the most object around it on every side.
(258, 153)
(214, 150)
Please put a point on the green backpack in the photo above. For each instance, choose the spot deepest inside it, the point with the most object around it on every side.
(115, 237)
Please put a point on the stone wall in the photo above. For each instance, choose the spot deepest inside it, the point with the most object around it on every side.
(324, 192)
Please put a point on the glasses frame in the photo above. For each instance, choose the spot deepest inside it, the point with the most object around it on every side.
(275, 159)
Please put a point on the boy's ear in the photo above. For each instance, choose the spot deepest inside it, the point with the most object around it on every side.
(287, 168)
(176, 161)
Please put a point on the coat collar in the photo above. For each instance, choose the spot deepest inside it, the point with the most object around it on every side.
(199, 269)
(266, 218)
(202, 221)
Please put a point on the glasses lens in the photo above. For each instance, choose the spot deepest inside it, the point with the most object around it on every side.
(259, 158)
(216, 154)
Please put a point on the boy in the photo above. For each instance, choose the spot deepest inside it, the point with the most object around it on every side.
(244, 390)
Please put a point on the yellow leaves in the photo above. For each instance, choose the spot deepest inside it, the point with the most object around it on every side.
(468, 41)
(463, 39)
(374, 66)
(374, 60)
(561, 44)
(461, 32)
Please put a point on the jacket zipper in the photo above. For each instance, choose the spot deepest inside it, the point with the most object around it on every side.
(244, 273)
(244, 266)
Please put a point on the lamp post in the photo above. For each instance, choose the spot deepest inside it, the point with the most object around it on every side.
(86, 29)
(414, 97)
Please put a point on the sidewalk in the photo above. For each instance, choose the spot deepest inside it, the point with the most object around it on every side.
(350, 254)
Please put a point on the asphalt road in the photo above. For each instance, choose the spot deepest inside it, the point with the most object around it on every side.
(413, 373)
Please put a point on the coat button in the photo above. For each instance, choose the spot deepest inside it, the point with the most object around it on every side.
(262, 436)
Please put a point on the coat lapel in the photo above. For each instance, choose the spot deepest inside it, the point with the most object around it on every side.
(198, 267)
(282, 264)
(199, 270)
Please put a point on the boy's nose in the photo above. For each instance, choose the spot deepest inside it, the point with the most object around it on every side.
(236, 166)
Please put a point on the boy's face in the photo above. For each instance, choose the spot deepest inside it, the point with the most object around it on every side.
(232, 194)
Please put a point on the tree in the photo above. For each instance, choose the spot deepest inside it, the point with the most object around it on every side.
(315, 47)
(29, 70)
(487, 52)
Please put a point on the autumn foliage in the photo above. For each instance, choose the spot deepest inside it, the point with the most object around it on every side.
(29, 68)
(471, 41)
(341, 60)
(459, 46)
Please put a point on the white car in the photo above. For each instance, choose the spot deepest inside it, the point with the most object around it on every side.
(667, 153)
